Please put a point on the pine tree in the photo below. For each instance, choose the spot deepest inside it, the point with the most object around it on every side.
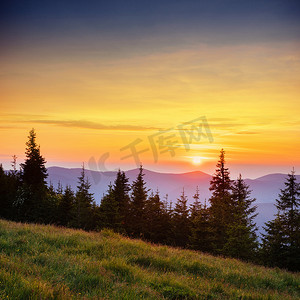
(200, 236)
(60, 190)
(66, 207)
(115, 204)
(137, 206)
(14, 184)
(9, 184)
(32, 200)
(120, 193)
(156, 219)
(221, 204)
(242, 239)
(14, 171)
(273, 243)
(196, 206)
(34, 172)
(83, 203)
(5, 204)
(200, 233)
(109, 211)
(181, 222)
(50, 206)
(281, 243)
(168, 224)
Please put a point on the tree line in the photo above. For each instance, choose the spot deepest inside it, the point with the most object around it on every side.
(223, 226)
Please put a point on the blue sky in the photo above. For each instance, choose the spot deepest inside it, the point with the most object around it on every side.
(215, 21)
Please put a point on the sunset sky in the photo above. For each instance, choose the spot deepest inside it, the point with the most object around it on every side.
(92, 77)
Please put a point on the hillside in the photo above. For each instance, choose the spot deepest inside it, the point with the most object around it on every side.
(47, 262)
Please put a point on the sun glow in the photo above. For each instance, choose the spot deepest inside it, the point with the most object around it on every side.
(197, 160)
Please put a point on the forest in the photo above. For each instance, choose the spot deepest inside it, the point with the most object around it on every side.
(223, 226)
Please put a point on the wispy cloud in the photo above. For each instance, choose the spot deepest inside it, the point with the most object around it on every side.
(21, 116)
(10, 127)
(247, 132)
(91, 125)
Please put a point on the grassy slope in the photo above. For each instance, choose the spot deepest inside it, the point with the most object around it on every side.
(46, 262)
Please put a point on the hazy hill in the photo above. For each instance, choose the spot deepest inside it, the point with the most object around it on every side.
(48, 262)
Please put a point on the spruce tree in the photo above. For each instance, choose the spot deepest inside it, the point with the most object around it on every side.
(120, 193)
(9, 184)
(83, 203)
(181, 222)
(109, 211)
(221, 204)
(50, 207)
(34, 172)
(5, 204)
(201, 234)
(168, 224)
(14, 184)
(242, 239)
(66, 207)
(156, 219)
(273, 249)
(196, 206)
(281, 243)
(32, 200)
(137, 206)
(14, 171)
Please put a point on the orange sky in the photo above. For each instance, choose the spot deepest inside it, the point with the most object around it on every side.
(84, 105)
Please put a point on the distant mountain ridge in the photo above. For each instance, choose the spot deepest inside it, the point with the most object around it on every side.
(166, 183)
(265, 188)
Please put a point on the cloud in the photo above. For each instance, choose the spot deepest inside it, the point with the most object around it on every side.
(225, 125)
(21, 116)
(10, 127)
(222, 119)
(247, 132)
(91, 125)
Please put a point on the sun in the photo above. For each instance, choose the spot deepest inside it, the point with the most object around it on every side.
(197, 160)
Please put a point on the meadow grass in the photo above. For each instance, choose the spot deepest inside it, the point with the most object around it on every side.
(48, 262)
